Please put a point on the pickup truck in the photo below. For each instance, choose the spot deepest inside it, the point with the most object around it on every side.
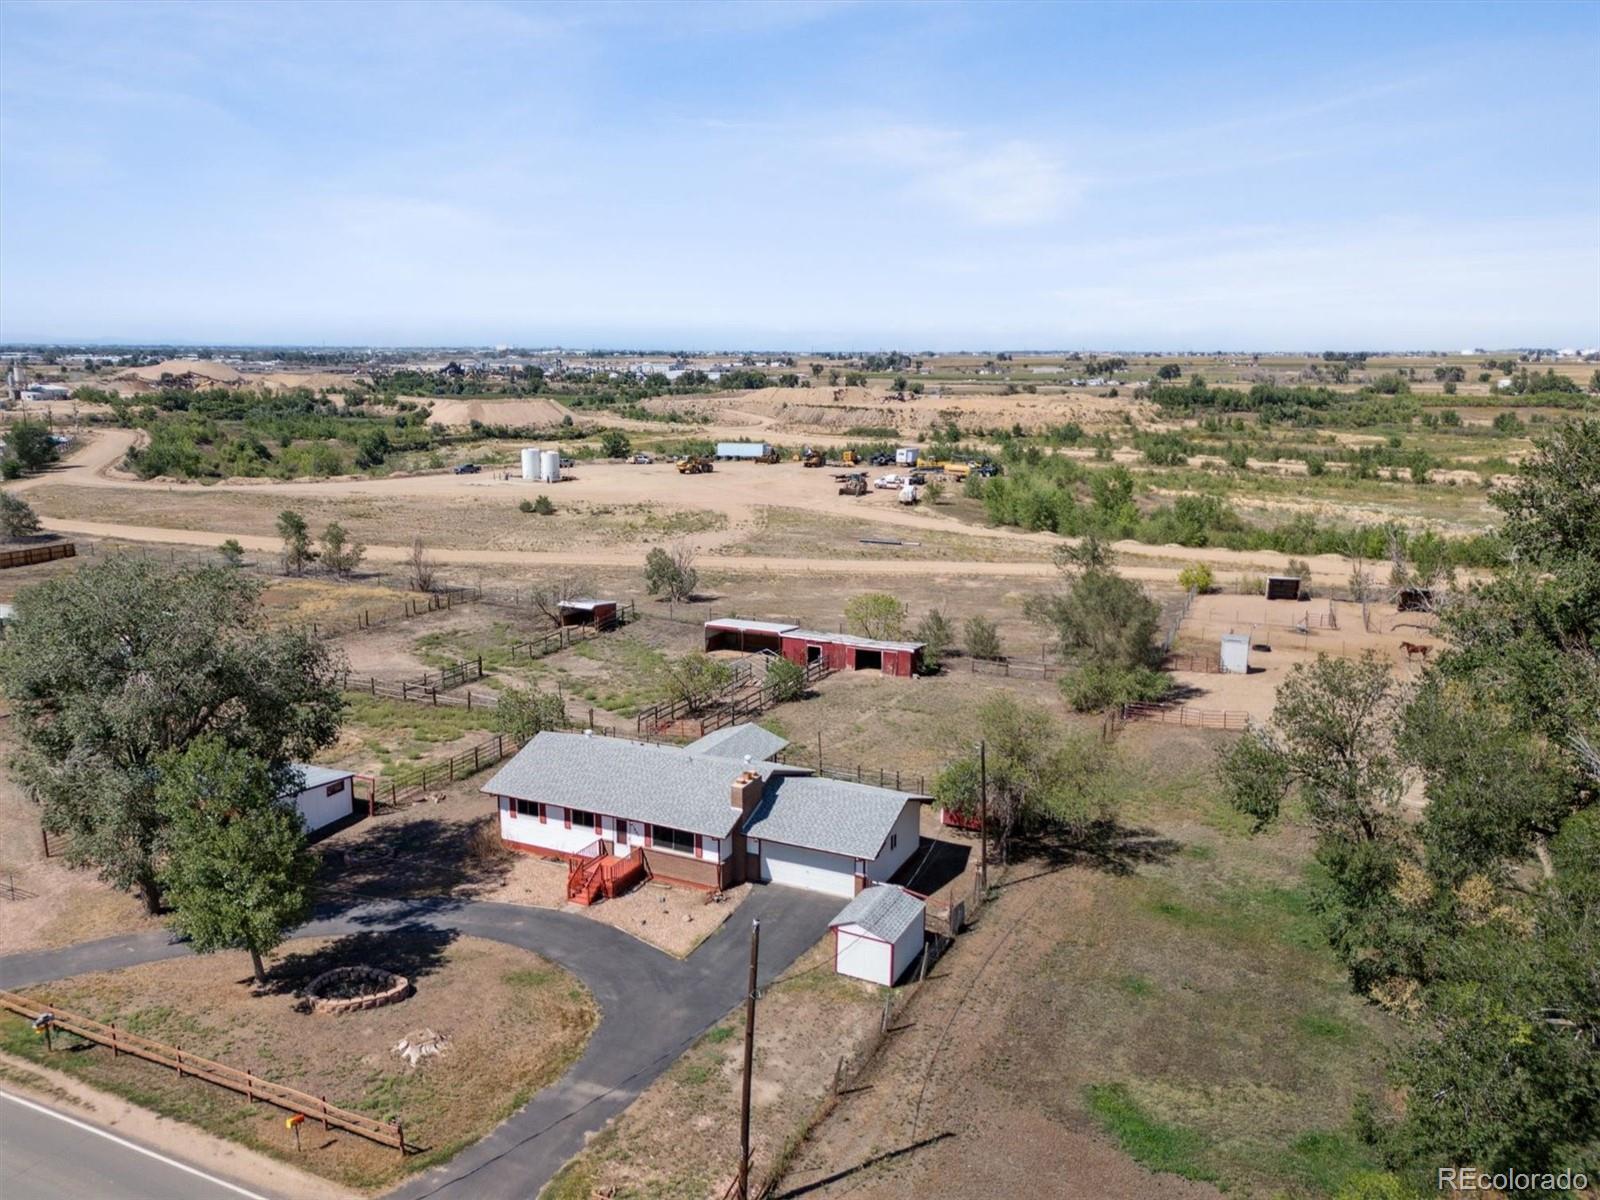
(642, 459)
(467, 469)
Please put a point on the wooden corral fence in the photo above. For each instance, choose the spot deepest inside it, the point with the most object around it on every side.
(570, 635)
(741, 699)
(30, 555)
(426, 688)
(1186, 714)
(411, 781)
(249, 1085)
(1199, 664)
(1022, 668)
(414, 606)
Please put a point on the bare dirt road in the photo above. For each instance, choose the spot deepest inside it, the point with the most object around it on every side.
(736, 490)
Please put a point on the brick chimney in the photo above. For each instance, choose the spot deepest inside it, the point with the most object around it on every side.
(746, 792)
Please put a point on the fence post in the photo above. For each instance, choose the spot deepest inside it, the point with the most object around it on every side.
(249, 1088)
(474, 756)
(400, 1136)
(179, 1050)
(324, 1112)
(114, 1041)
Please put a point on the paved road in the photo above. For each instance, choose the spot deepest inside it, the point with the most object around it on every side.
(45, 1155)
(652, 1006)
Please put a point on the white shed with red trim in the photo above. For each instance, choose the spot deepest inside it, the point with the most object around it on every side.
(323, 795)
(879, 934)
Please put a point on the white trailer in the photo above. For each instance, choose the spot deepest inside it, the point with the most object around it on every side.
(906, 456)
(750, 451)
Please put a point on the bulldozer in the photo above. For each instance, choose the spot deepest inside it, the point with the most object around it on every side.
(812, 458)
(771, 456)
(854, 485)
(694, 465)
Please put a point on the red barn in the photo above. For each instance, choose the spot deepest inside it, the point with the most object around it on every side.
(840, 651)
(602, 614)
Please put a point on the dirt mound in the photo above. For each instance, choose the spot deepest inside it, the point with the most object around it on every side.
(463, 410)
(181, 368)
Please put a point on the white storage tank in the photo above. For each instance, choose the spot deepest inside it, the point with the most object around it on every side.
(550, 466)
(530, 464)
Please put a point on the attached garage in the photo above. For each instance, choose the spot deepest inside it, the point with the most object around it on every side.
(812, 870)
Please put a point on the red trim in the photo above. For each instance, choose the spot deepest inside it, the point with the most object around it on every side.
(697, 852)
(566, 816)
(511, 805)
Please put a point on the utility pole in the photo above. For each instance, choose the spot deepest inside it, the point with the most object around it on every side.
(749, 1056)
(983, 815)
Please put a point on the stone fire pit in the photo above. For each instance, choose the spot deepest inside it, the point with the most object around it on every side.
(354, 989)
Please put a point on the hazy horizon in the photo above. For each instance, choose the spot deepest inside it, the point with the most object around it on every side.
(802, 176)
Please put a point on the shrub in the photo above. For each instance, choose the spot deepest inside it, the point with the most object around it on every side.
(982, 638)
(542, 505)
(232, 552)
(934, 632)
(17, 518)
(1249, 585)
(1100, 685)
(785, 680)
(1196, 577)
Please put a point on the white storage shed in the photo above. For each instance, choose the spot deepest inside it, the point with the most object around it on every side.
(1236, 654)
(878, 934)
(326, 795)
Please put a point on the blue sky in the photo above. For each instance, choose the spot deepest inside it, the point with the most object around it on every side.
(1196, 176)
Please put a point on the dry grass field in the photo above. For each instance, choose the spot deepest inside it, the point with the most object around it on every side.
(514, 1023)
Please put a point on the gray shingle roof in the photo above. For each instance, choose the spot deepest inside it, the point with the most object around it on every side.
(884, 911)
(826, 814)
(738, 740)
(664, 785)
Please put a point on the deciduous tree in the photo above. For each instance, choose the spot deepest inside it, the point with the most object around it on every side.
(875, 615)
(671, 573)
(234, 865)
(111, 667)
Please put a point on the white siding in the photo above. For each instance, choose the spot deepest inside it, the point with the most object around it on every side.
(812, 870)
(904, 837)
(907, 947)
(319, 809)
(550, 834)
(859, 955)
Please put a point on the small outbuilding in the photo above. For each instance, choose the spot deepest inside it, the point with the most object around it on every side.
(326, 795)
(586, 610)
(1236, 654)
(879, 934)
(839, 651)
(1283, 587)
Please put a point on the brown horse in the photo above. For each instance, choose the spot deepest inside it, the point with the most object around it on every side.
(1412, 650)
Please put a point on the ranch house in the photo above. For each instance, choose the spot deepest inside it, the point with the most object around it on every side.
(840, 651)
(709, 815)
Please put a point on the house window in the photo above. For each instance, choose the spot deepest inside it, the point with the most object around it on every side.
(526, 808)
(583, 820)
(676, 840)
(334, 788)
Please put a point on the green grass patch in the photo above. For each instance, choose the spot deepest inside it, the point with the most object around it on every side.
(1324, 1162)
(1170, 1149)
(720, 1034)
(1135, 985)
(1321, 1027)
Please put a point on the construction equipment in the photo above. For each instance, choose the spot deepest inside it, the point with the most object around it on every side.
(812, 458)
(854, 485)
(771, 456)
(850, 458)
(694, 465)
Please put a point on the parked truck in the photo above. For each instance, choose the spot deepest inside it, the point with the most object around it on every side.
(748, 451)
(694, 465)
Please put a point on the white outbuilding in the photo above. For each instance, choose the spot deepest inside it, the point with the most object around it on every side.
(1236, 654)
(326, 795)
(878, 934)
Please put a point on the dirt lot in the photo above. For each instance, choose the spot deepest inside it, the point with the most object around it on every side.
(1166, 991)
(514, 1023)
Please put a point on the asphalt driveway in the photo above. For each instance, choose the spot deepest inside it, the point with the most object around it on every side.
(652, 1007)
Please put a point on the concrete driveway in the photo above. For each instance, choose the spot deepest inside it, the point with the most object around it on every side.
(652, 1007)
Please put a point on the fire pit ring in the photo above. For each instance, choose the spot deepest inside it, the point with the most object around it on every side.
(356, 989)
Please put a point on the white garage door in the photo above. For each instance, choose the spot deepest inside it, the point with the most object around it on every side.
(809, 869)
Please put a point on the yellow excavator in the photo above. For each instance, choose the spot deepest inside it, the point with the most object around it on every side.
(694, 465)
(812, 458)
